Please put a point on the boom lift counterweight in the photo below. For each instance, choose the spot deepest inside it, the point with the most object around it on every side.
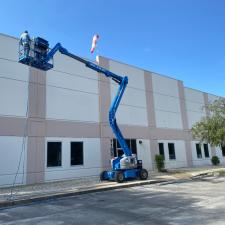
(125, 167)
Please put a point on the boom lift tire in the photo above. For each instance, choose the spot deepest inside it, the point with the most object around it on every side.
(102, 175)
(119, 177)
(143, 174)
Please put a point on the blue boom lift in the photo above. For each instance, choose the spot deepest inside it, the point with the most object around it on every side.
(123, 168)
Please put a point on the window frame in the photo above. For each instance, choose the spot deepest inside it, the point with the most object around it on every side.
(204, 145)
(81, 164)
(223, 151)
(196, 148)
(133, 143)
(173, 158)
(117, 150)
(162, 145)
(47, 155)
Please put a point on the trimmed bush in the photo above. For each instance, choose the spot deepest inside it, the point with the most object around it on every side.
(215, 160)
(159, 159)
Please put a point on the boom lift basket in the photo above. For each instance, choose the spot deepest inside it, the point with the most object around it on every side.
(35, 54)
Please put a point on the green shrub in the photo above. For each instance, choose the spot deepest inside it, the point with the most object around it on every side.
(159, 159)
(215, 160)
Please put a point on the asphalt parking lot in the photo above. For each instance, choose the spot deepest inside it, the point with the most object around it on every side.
(182, 203)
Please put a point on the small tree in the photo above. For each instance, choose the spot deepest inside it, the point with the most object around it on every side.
(159, 159)
(211, 129)
(215, 160)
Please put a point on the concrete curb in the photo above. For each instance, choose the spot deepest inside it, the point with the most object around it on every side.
(205, 173)
(32, 199)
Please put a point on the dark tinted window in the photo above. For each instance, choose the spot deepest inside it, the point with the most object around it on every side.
(118, 144)
(128, 142)
(161, 149)
(54, 154)
(77, 153)
(171, 148)
(114, 147)
(223, 151)
(119, 152)
(198, 151)
(206, 150)
(131, 143)
(133, 146)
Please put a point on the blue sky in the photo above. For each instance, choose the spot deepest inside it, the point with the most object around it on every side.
(183, 39)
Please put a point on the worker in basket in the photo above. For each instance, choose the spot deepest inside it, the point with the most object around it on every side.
(25, 42)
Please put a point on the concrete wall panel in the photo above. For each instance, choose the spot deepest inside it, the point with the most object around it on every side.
(13, 70)
(68, 65)
(72, 82)
(13, 98)
(144, 153)
(200, 161)
(133, 97)
(135, 75)
(180, 160)
(10, 151)
(195, 102)
(133, 108)
(165, 85)
(168, 120)
(212, 98)
(194, 95)
(130, 115)
(9, 47)
(72, 105)
(166, 102)
(92, 161)
(220, 155)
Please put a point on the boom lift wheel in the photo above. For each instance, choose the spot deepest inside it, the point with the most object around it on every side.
(102, 175)
(119, 177)
(143, 174)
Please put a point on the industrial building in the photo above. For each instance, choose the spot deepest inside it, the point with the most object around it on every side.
(66, 134)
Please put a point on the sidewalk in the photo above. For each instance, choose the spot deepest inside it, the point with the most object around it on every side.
(50, 190)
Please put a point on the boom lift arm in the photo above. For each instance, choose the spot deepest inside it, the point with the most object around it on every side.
(122, 81)
(124, 167)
